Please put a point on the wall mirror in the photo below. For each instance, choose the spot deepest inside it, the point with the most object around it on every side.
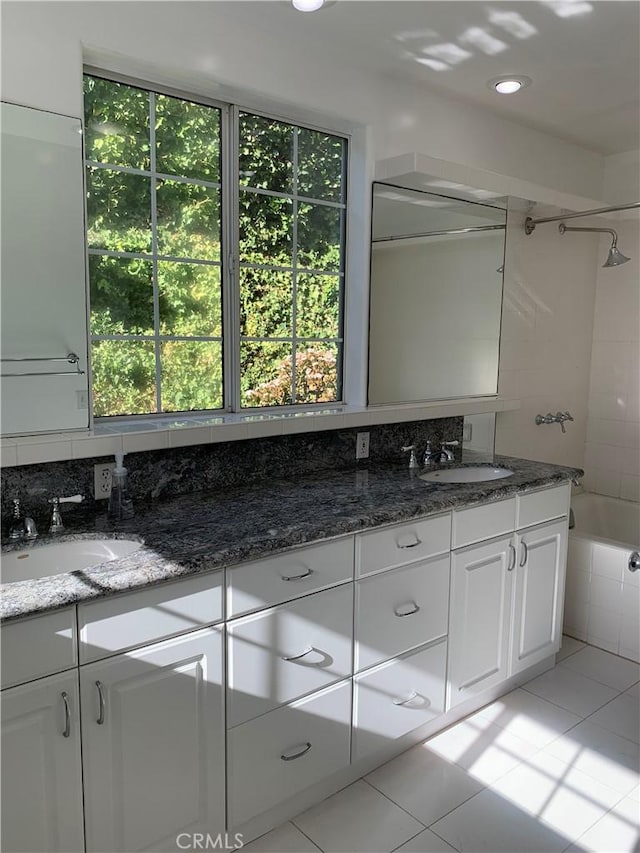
(436, 296)
(43, 334)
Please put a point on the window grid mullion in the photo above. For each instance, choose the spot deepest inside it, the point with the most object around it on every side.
(294, 273)
(114, 253)
(232, 254)
(164, 176)
(154, 247)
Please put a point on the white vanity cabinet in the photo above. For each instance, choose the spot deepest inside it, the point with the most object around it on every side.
(506, 594)
(281, 654)
(41, 767)
(153, 744)
(480, 614)
(538, 594)
(330, 654)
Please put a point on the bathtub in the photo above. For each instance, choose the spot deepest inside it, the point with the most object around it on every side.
(602, 598)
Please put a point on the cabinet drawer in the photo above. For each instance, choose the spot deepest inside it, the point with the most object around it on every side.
(38, 646)
(483, 522)
(398, 697)
(263, 583)
(402, 544)
(400, 610)
(543, 505)
(136, 618)
(287, 652)
(276, 756)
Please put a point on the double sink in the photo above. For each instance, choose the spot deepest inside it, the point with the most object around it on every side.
(75, 555)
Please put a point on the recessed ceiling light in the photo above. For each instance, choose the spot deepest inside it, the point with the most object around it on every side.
(307, 5)
(509, 84)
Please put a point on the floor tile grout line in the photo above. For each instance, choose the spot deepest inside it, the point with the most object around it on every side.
(306, 836)
(429, 825)
(597, 680)
(408, 839)
(373, 787)
(568, 710)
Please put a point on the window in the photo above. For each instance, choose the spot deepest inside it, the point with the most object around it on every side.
(216, 268)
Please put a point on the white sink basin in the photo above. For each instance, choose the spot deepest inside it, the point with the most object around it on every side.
(478, 474)
(61, 557)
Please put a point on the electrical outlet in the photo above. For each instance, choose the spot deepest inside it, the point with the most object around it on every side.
(102, 480)
(362, 445)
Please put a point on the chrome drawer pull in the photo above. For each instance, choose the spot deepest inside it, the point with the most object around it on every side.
(295, 755)
(411, 545)
(399, 702)
(512, 558)
(414, 608)
(67, 715)
(100, 720)
(525, 554)
(296, 577)
(301, 655)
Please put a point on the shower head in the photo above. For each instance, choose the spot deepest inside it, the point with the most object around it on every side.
(615, 258)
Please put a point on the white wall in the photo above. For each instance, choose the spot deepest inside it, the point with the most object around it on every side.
(547, 320)
(201, 45)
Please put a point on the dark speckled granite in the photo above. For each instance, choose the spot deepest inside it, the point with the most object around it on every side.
(168, 473)
(206, 531)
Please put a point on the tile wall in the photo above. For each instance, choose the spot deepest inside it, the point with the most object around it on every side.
(612, 452)
(547, 319)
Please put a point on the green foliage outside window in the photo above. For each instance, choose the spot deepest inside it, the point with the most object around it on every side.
(159, 348)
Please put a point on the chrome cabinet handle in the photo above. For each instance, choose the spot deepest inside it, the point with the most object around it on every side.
(100, 720)
(525, 554)
(414, 608)
(301, 655)
(410, 545)
(399, 702)
(295, 755)
(67, 715)
(634, 561)
(296, 577)
(512, 558)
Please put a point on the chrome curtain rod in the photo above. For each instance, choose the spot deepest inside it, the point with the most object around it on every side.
(530, 224)
(440, 233)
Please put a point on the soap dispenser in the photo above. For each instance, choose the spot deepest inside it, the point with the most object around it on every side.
(120, 504)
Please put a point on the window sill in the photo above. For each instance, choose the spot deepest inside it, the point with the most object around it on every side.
(137, 436)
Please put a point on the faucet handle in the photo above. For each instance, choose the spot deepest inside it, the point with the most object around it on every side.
(450, 443)
(411, 448)
(57, 525)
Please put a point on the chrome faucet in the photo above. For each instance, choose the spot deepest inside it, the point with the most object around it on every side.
(558, 418)
(442, 454)
(56, 525)
(21, 527)
(411, 449)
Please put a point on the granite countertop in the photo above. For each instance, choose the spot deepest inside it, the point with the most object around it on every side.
(206, 531)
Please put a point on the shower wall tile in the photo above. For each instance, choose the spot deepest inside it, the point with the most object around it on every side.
(549, 294)
(612, 462)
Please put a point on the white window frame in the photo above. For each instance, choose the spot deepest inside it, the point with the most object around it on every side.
(353, 372)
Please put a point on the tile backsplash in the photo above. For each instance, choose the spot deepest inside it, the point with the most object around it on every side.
(159, 474)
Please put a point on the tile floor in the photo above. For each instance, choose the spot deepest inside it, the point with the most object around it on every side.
(552, 766)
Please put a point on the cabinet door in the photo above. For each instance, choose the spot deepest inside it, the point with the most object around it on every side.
(153, 744)
(539, 594)
(481, 587)
(41, 769)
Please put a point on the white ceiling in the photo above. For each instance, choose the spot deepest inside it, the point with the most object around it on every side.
(582, 55)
